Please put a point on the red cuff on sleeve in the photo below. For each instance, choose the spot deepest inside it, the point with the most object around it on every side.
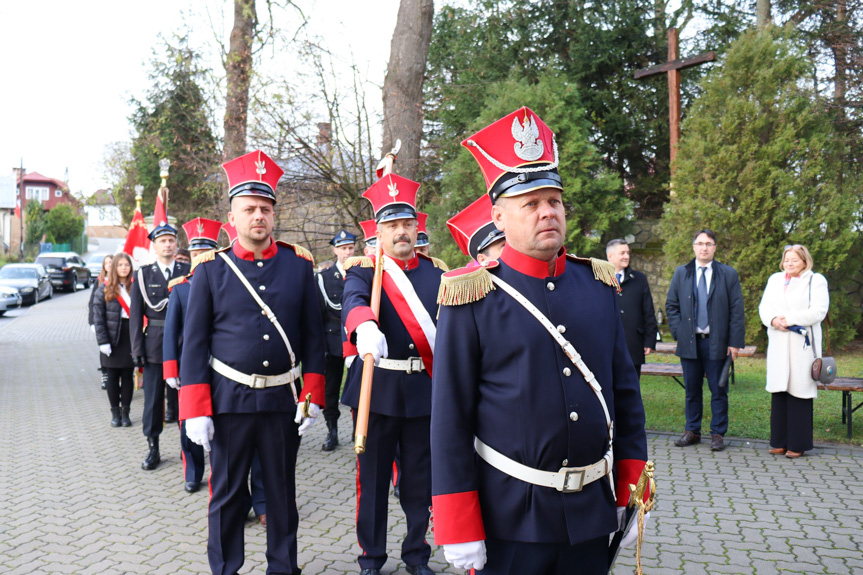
(313, 383)
(348, 349)
(195, 401)
(457, 518)
(170, 369)
(628, 472)
(357, 316)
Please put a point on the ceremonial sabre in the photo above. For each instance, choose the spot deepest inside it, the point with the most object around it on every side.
(384, 167)
(636, 499)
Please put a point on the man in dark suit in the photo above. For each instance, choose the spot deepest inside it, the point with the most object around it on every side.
(705, 313)
(150, 300)
(635, 303)
(331, 286)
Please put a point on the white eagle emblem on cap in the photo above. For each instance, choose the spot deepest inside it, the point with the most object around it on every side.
(260, 168)
(200, 229)
(393, 190)
(527, 145)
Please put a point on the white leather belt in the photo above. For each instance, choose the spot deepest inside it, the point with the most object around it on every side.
(409, 365)
(566, 480)
(256, 381)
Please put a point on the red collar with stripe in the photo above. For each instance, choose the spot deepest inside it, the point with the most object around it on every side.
(531, 266)
(411, 264)
(245, 254)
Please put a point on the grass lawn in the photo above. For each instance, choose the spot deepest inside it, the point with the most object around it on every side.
(749, 402)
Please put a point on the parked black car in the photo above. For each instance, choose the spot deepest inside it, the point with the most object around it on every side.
(66, 269)
(31, 281)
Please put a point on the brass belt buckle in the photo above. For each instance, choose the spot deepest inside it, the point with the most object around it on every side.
(573, 480)
(259, 381)
(415, 365)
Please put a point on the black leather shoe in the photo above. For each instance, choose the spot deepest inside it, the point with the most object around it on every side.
(688, 438)
(115, 417)
(153, 458)
(193, 486)
(420, 570)
(370, 572)
(716, 443)
(170, 417)
(332, 440)
(124, 418)
(396, 492)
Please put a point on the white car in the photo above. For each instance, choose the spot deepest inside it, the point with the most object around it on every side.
(9, 298)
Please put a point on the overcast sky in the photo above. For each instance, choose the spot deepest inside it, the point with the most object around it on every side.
(69, 68)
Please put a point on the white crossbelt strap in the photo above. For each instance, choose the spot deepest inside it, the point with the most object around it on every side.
(143, 288)
(407, 289)
(267, 311)
(334, 306)
(567, 347)
(566, 480)
(256, 381)
(409, 365)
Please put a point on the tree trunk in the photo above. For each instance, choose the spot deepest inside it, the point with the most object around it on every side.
(238, 66)
(762, 14)
(403, 85)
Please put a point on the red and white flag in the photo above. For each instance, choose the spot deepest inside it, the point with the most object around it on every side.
(137, 242)
(160, 212)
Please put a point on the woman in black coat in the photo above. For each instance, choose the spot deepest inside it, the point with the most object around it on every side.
(103, 277)
(111, 319)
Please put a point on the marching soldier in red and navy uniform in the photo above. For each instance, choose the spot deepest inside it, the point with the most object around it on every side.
(475, 233)
(331, 286)
(252, 328)
(147, 311)
(370, 229)
(402, 340)
(203, 236)
(423, 245)
(533, 446)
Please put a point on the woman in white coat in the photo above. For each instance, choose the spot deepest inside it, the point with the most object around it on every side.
(793, 297)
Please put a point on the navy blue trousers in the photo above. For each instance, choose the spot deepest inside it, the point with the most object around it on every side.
(374, 470)
(518, 558)
(193, 457)
(237, 436)
(694, 371)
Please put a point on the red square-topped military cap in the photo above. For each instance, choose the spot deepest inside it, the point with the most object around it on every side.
(231, 231)
(422, 232)
(203, 234)
(370, 228)
(473, 229)
(253, 174)
(517, 154)
(393, 198)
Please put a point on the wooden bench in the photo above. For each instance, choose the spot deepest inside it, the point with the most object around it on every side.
(675, 370)
(847, 385)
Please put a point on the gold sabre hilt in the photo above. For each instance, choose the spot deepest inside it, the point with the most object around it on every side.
(306, 405)
(645, 484)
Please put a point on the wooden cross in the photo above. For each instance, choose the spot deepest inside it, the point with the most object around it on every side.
(673, 68)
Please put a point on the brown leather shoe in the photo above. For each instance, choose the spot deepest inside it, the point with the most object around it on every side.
(688, 438)
(716, 442)
(793, 454)
(777, 450)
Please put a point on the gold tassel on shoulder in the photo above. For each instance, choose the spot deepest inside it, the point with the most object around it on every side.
(464, 285)
(176, 281)
(206, 256)
(604, 272)
(362, 261)
(303, 253)
(440, 264)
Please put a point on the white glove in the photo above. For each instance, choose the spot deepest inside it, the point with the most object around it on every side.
(307, 422)
(173, 382)
(632, 532)
(105, 348)
(469, 555)
(93, 329)
(200, 430)
(370, 340)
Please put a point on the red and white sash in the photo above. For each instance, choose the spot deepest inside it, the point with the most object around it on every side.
(123, 303)
(412, 312)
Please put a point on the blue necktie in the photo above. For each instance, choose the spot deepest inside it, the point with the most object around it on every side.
(701, 320)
